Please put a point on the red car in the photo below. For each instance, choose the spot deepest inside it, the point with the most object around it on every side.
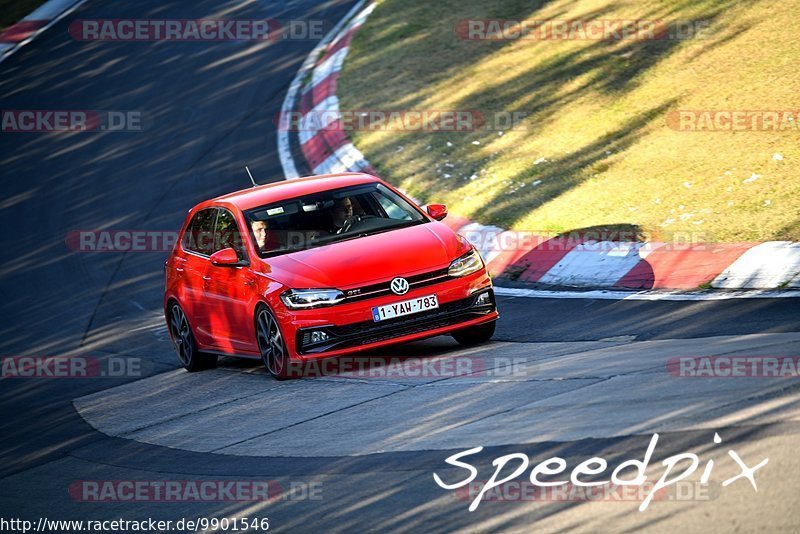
(320, 267)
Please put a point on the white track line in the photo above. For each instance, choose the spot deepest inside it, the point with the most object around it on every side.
(47, 9)
(641, 295)
(289, 168)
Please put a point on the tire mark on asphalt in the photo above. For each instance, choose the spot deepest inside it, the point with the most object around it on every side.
(339, 410)
(181, 416)
(148, 458)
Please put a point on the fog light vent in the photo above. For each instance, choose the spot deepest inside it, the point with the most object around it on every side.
(319, 336)
(315, 336)
(483, 299)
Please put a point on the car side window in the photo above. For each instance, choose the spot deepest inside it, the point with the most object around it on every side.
(227, 234)
(199, 235)
(393, 211)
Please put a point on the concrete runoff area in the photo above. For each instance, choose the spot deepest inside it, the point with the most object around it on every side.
(557, 392)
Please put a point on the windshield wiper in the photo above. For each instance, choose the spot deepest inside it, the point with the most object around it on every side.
(349, 237)
(396, 227)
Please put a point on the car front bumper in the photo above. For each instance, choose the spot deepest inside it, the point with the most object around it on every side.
(349, 327)
(451, 314)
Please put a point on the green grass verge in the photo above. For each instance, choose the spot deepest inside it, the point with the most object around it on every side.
(597, 150)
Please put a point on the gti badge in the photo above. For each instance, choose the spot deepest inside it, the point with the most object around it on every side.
(399, 286)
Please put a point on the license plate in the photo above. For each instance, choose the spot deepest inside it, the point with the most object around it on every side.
(406, 307)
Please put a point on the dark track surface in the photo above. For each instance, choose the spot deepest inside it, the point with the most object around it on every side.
(211, 110)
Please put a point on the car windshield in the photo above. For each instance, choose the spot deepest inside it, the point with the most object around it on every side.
(329, 216)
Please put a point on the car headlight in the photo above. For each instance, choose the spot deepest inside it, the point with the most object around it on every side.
(296, 299)
(466, 264)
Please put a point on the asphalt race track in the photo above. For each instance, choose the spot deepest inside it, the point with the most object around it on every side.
(574, 378)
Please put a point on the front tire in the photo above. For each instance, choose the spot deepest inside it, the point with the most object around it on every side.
(475, 335)
(271, 345)
(185, 345)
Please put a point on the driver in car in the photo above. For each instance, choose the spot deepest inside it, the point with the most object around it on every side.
(343, 216)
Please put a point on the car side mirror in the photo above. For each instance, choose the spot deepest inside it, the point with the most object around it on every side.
(226, 257)
(437, 211)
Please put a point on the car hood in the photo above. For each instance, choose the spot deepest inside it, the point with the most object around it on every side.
(360, 261)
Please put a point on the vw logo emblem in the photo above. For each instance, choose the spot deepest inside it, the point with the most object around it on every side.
(399, 286)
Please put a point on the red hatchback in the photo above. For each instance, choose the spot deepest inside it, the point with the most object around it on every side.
(320, 267)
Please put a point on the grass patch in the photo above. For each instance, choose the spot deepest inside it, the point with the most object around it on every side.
(597, 149)
(11, 11)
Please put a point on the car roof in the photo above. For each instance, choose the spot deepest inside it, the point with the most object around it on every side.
(275, 192)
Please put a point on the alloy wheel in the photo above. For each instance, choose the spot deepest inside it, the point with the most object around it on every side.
(181, 335)
(270, 343)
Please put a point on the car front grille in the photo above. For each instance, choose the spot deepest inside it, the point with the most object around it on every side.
(367, 332)
(383, 288)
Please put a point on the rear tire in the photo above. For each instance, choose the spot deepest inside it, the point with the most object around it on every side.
(185, 345)
(475, 335)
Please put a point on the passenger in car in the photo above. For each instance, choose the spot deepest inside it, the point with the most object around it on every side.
(260, 233)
